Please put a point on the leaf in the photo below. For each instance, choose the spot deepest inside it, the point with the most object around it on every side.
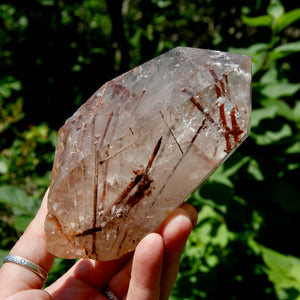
(223, 236)
(162, 3)
(278, 90)
(288, 47)
(287, 19)
(7, 85)
(19, 201)
(260, 114)
(212, 260)
(296, 111)
(255, 171)
(282, 108)
(269, 77)
(292, 167)
(47, 2)
(275, 9)
(136, 37)
(271, 137)
(284, 50)
(253, 244)
(250, 51)
(295, 270)
(284, 270)
(257, 21)
(21, 222)
(3, 167)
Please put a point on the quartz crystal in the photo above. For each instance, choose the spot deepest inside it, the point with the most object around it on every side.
(140, 145)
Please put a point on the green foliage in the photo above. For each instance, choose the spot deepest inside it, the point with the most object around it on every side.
(23, 207)
(17, 211)
(23, 151)
(9, 112)
(54, 54)
(284, 272)
(255, 193)
(26, 160)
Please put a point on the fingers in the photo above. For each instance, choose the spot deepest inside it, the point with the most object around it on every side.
(151, 275)
(91, 277)
(146, 269)
(95, 274)
(75, 289)
(144, 276)
(32, 246)
(175, 232)
(120, 282)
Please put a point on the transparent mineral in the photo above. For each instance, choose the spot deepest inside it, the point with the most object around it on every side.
(140, 145)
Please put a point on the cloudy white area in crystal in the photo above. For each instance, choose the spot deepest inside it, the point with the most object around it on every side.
(142, 143)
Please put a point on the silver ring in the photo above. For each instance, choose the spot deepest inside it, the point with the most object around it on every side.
(28, 265)
(109, 294)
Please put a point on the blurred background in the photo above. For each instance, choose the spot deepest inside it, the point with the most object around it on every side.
(55, 53)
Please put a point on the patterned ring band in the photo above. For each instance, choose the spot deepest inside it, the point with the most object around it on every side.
(28, 265)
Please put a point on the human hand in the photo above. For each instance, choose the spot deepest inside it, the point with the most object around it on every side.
(149, 274)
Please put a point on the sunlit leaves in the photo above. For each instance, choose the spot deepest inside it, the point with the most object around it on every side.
(8, 85)
(252, 197)
(260, 114)
(23, 206)
(255, 171)
(269, 172)
(13, 19)
(275, 9)
(294, 149)
(276, 19)
(280, 108)
(280, 89)
(283, 271)
(10, 112)
(162, 3)
(287, 19)
(258, 21)
(284, 50)
(271, 137)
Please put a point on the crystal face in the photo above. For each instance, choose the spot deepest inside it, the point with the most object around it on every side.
(140, 145)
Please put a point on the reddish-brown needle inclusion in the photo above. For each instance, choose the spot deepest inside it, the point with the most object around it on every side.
(140, 145)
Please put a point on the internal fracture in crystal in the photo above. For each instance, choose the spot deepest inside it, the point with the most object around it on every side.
(140, 145)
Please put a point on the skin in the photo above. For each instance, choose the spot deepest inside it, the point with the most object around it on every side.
(149, 273)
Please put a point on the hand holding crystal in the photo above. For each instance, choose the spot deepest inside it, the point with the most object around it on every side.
(149, 274)
(132, 153)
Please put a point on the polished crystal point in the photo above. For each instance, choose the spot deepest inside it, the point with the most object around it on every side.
(140, 145)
